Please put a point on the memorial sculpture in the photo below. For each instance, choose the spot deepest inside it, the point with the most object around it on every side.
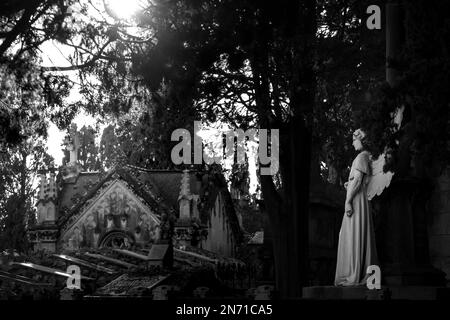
(357, 248)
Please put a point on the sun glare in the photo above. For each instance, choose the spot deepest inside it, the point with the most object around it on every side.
(123, 9)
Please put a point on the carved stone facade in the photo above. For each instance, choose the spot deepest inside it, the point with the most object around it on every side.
(116, 211)
(130, 206)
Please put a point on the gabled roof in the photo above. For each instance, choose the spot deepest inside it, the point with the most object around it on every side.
(166, 182)
(159, 189)
(72, 191)
(145, 189)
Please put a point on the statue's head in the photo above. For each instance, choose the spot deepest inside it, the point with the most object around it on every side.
(358, 139)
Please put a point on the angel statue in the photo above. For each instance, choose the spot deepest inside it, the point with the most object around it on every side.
(356, 249)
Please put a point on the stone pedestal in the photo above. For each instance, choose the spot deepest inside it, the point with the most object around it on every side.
(401, 233)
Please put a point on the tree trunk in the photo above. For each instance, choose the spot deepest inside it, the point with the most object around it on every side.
(288, 208)
(288, 211)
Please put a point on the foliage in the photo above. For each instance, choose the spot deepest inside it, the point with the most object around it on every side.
(25, 25)
(420, 146)
(245, 63)
(14, 213)
(350, 59)
(303, 67)
(26, 90)
(110, 151)
(23, 92)
(207, 63)
(18, 169)
(88, 152)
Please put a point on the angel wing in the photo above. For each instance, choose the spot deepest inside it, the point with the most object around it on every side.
(378, 180)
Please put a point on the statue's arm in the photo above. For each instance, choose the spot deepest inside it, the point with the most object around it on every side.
(352, 189)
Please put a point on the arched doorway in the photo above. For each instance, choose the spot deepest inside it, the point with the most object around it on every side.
(116, 240)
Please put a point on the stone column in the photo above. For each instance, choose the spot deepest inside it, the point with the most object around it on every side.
(402, 240)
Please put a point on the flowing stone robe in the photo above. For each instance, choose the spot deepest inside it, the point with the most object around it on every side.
(356, 249)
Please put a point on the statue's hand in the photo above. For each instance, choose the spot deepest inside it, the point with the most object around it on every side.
(348, 208)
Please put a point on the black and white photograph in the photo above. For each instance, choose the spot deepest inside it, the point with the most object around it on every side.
(224, 155)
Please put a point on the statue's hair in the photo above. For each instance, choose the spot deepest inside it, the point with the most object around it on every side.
(359, 134)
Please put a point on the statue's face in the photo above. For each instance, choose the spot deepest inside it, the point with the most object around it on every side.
(357, 144)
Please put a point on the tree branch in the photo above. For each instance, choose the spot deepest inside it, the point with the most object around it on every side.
(80, 66)
(19, 27)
